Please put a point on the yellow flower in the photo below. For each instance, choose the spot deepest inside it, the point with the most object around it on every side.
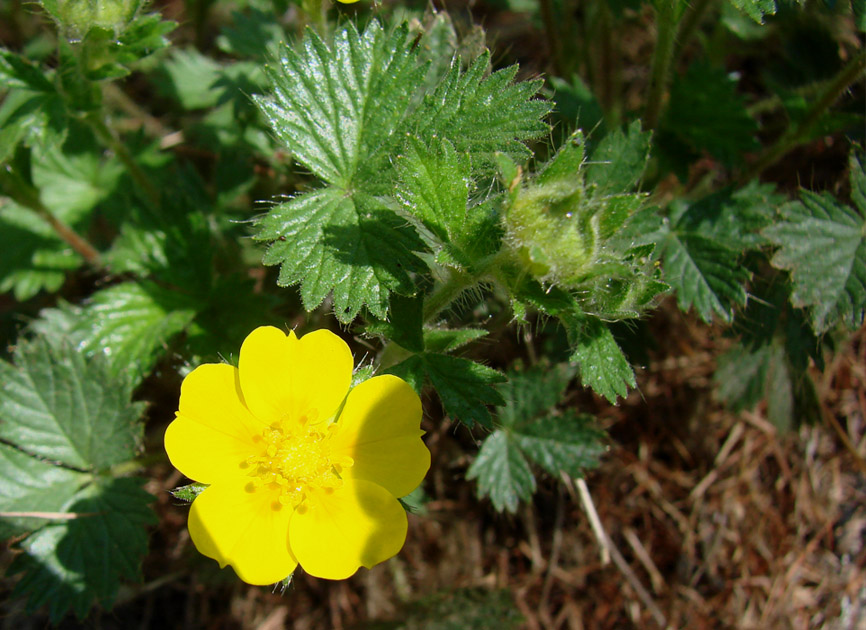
(299, 472)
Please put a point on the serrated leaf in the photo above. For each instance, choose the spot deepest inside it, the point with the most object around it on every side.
(19, 72)
(66, 408)
(823, 244)
(482, 115)
(350, 246)
(707, 114)
(705, 273)
(618, 162)
(602, 365)
(78, 562)
(336, 107)
(28, 484)
(741, 376)
(531, 392)
(576, 105)
(756, 9)
(502, 472)
(34, 257)
(464, 387)
(444, 340)
(567, 444)
(131, 324)
(192, 79)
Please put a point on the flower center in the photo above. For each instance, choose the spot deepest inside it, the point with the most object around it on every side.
(295, 460)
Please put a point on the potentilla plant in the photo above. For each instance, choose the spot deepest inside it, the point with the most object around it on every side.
(413, 196)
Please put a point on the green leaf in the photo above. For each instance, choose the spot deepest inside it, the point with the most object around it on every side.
(482, 115)
(66, 408)
(576, 105)
(706, 113)
(192, 79)
(31, 485)
(618, 162)
(34, 257)
(254, 34)
(78, 562)
(823, 244)
(444, 340)
(336, 107)
(502, 472)
(756, 9)
(567, 444)
(404, 323)
(350, 246)
(705, 273)
(464, 387)
(19, 72)
(603, 366)
(188, 493)
(131, 324)
(532, 392)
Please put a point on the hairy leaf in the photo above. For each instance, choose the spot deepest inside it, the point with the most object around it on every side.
(502, 472)
(75, 563)
(66, 408)
(603, 366)
(618, 162)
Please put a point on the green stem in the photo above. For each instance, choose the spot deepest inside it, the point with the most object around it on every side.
(799, 133)
(114, 143)
(666, 26)
(28, 197)
(608, 76)
(455, 283)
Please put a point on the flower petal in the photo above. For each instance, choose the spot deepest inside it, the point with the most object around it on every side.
(286, 378)
(379, 429)
(213, 432)
(236, 523)
(358, 524)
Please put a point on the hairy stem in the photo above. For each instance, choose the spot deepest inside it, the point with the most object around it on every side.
(28, 197)
(690, 22)
(666, 27)
(799, 133)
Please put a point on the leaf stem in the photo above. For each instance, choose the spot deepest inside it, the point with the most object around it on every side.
(798, 134)
(442, 296)
(690, 22)
(25, 195)
(110, 139)
(666, 27)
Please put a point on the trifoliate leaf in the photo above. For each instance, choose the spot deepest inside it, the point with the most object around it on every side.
(756, 9)
(131, 324)
(502, 472)
(602, 365)
(336, 107)
(618, 162)
(706, 113)
(532, 392)
(567, 444)
(464, 387)
(31, 485)
(823, 244)
(350, 246)
(75, 563)
(483, 115)
(63, 407)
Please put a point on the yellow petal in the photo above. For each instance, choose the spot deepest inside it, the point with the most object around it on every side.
(379, 429)
(334, 532)
(213, 432)
(246, 527)
(289, 379)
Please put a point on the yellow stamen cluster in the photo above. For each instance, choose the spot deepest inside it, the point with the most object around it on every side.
(295, 459)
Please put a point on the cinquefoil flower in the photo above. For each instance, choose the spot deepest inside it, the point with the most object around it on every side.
(299, 471)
